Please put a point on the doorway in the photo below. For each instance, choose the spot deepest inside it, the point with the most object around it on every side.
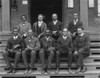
(45, 7)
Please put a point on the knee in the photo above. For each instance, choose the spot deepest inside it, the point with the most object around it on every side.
(57, 53)
(18, 53)
(33, 52)
(51, 53)
(70, 53)
(41, 52)
(24, 52)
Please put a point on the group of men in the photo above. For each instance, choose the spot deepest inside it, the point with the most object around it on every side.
(47, 41)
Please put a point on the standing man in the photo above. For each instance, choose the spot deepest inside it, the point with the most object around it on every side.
(74, 24)
(47, 51)
(32, 46)
(65, 48)
(14, 47)
(55, 26)
(39, 27)
(24, 26)
(82, 49)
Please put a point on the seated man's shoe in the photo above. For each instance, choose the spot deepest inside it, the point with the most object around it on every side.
(43, 71)
(84, 69)
(26, 71)
(10, 70)
(14, 71)
(69, 70)
(57, 71)
(48, 70)
(78, 70)
(30, 71)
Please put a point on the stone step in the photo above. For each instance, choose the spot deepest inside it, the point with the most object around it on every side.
(62, 73)
(90, 66)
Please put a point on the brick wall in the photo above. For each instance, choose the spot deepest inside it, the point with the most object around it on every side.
(94, 20)
(17, 12)
(0, 18)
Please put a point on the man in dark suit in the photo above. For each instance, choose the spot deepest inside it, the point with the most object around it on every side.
(46, 51)
(14, 47)
(64, 48)
(32, 46)
(82, 49)
(74, 24)
(39, 27)
(55, 26)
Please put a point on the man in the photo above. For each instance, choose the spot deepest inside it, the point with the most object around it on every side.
(82, 49)
(46, 51)
(39, 27)
(74, 24)
(65, 48)
(55, 26)
(14, 47)
(24, 26)
(32, 46)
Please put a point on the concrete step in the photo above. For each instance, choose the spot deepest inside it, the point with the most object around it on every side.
(62, 73)
(90, 66)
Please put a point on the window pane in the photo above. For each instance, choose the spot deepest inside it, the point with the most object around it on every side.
(98, 7)
(91, 3)
(70, 3)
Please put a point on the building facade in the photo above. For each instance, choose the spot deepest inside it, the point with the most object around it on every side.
(11, 11)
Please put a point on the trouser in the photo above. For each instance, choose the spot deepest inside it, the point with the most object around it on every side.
(80, 56)
(43, 54)
(16, 55)
(32, 57)
(69, 56)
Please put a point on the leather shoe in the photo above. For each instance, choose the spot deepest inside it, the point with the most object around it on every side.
(10, 70)
(57, 71)
(84, 69)
(78, 70)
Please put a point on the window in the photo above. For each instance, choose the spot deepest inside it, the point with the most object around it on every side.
(98, 7)
(70, 3)
(91, 3)
(0, 3)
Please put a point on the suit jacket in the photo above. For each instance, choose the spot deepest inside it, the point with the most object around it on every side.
(11, 43)
(73, 28)
(24, 28)
(32, 42)
(65, 45)
(56, 27)
(42, 28)
(82, 42)
(47, 45)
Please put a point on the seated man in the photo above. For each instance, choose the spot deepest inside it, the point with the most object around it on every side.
(46, 51)
(32, 46)
(64, 48)
(82, 49)
(13, 49)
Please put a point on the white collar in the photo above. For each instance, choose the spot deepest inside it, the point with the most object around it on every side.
(75, 20)
(47, 38)
(15, 37)
(40, 21)
(64, 37)
(55, 22)
(81, 34)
